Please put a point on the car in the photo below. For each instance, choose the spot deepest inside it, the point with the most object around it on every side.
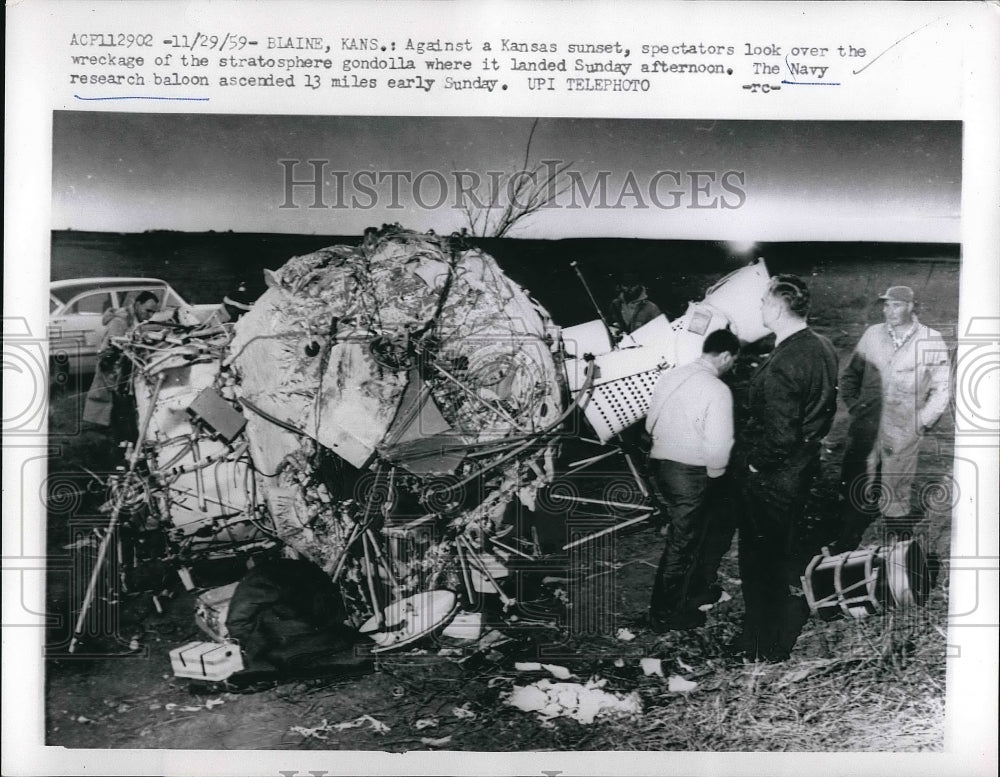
(76, 312)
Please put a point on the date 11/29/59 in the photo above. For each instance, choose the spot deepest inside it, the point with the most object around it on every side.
(226, 42)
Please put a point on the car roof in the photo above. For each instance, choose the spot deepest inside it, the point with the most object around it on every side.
(103, 282)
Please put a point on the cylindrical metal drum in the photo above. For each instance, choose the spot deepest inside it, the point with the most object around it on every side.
(860, 582)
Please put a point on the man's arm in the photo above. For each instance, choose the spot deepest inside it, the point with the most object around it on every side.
(934, 358)
(648, 312)
(718, 430)
(109, 352)
(850, 379)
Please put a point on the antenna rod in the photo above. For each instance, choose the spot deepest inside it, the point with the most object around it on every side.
(607, 326)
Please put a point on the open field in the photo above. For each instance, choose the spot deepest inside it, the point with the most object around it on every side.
(870, 685)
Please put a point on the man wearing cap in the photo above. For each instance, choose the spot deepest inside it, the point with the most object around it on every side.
(632, 308)
(896, 387)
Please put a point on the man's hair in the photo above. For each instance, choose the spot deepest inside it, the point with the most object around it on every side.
(146, 296)
(721, 340)
(793, 291)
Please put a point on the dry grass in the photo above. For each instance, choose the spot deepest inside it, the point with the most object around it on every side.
(880, 689)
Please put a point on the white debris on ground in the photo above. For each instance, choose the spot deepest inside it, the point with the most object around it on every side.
(463, 712)
(559, 672)
(320, 731)
(624, 635)
(678, 684)
(581, 702)
(724, 597)
(651, 666)
(440, 742)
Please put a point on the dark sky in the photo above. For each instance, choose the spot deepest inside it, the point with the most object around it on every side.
(802, 180)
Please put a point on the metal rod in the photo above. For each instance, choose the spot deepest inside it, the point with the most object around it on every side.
(609, 530)
(586, 287)
(88, 598)
(199, 475)
(463, 564)
(509, 549)
(370, 577)
(604, 502)
(635, 474)
(476, 398)
(593, 459)
(102, 552)
(482, 568)
(351, 538)
(183, 491)
(146, 418)
(383, 562)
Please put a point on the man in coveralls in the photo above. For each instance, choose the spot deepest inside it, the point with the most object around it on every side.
(896, 387)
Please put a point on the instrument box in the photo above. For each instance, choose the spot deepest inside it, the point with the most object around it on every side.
(217, 414)
(213, 661)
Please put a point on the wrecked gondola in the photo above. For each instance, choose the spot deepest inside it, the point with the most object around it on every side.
(385, 413)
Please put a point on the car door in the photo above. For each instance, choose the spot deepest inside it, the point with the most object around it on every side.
(76, 331)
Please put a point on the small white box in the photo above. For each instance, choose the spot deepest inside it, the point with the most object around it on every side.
(206, 660)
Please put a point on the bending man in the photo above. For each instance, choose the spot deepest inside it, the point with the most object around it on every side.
(691, 422)
(109, 401)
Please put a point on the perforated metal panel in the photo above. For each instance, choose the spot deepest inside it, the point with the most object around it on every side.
(618, 404)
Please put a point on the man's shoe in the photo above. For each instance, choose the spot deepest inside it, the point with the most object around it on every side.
(676, 621)
(710, 595)
(740, 646)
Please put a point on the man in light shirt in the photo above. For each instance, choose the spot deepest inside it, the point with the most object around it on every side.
(691, 422)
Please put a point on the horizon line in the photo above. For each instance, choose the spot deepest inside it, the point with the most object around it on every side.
(505, 237)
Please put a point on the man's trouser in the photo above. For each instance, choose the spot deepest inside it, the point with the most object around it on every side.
(693, 502)
(772, 506)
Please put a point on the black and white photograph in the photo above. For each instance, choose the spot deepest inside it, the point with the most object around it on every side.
(473, 434)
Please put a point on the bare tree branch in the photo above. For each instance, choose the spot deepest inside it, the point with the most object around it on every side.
(523, 192)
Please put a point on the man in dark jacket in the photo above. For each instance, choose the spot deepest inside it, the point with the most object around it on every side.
(791, 403)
